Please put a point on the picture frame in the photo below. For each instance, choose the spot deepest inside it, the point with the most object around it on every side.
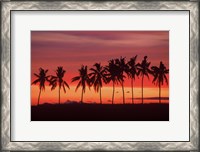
(7, 7)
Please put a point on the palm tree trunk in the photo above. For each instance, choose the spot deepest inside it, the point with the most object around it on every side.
(159, 93)
(59, 94)
(132, 91)
(123, 93)
(113, 93)
(39, 97)
(142, 88)
(100, 95)
(82, 96)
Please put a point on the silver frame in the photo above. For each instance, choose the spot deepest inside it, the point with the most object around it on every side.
(7, 6)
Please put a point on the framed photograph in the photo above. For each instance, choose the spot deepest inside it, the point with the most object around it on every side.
(100, 76)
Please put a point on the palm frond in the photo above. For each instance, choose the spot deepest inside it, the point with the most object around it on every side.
(36, 75)
(166, 80)
(36, 81)
(65, 84)
(64, 88)
(166, 71)
(46, 71)
(159, 74)
(53, 86)
(76, 78)
(79, 84)
(146, 75)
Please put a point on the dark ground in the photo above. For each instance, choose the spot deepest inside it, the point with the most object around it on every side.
(97, 112)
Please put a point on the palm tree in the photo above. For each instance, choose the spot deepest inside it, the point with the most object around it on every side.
(111, 75)
(97, 77)
(122, 68)
(41, 79)
(83, 80)
(159, 74)
(132, 72)
(143, 70)
(58, 80)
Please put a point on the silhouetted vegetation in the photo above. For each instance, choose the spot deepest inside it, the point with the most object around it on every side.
(132, 73)
(159, 74)
(143, 70)
(42, 77)
(115, 71)
(83, 79)
(58, 81)
(112, 75)
(97, 77)
(122, 69)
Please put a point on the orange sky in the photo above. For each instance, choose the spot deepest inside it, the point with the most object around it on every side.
(71, 49)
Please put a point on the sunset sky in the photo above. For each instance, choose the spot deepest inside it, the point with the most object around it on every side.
(71, 49)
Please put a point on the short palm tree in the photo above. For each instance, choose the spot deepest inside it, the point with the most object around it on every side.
(97, 78)
(42, 77)
(159, 74)
(58, 81)
(122, 68)
(132, 72)
(83, 79)
(143, 70)
(112, 75)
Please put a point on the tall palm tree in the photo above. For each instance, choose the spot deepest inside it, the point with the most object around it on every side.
(132, 72)
(159, 74)
(97, 77)
(58, 80)
(112, 75)
(42, 77)
(143, 70)
(83, 79)
(122, 68)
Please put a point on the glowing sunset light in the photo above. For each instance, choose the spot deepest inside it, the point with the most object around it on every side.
(72, 49)
(90, 96)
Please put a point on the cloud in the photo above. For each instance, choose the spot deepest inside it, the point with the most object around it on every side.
(88, 40)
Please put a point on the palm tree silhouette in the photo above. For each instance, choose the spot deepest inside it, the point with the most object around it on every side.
(58, 80)
(159, 74)
(83, 80)
(143, 70)
(97, 77)
(122, 67)
(132, 72)
(112, 75)
(41, 79)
